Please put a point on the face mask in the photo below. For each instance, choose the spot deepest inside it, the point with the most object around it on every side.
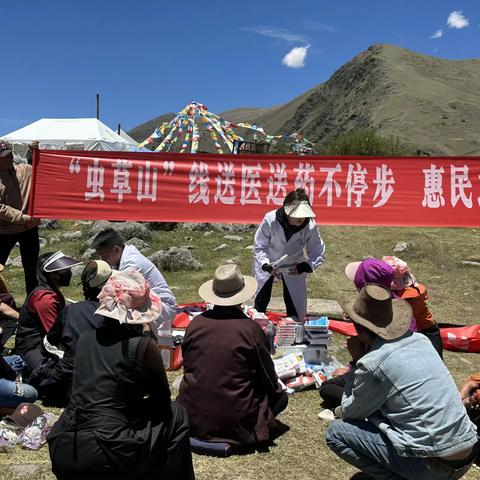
(64, 278)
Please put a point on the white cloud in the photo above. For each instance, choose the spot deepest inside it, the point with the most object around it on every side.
(437, 34)
(275, 32)
(457, 20)
(295, 58)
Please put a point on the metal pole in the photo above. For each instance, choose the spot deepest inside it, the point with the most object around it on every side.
(98, 106)
(118, 129)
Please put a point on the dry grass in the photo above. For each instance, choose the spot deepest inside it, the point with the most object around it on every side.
(301, 453)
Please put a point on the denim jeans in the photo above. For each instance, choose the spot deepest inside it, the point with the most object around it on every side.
(361, 444)
(11, 393)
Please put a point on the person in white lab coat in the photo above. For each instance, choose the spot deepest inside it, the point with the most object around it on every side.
(288, 245)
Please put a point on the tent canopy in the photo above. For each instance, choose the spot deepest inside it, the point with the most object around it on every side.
(67, 134)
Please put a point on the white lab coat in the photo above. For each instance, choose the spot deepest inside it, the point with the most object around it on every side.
(132, 258)
(304, 246)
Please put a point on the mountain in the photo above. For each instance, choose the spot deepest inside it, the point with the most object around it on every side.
(429, 103)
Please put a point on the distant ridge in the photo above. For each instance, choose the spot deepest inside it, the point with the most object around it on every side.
(428, 103)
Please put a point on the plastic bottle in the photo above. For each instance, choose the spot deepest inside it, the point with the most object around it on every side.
(270, 332)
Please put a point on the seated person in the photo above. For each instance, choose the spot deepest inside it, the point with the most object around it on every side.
(370, 270)
(406, 286)
(229, 389)
(54, 377)
(120, 423)
(401, 414)
(42, 306)
(8, 312)
(13, 391)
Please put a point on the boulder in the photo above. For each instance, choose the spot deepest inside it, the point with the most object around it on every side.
(43, 242)
(89, 254)
(401, 247)
(470, 263)
(126, 229)
(200, 227)
(220, 247)
(249, 247)
(163, 226)
(16, 262)
(72, 235)
(175, 259)
(140, 244)
(48, 224)
(233, 238)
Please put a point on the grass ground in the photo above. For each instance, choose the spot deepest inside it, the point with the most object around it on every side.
(434, 256)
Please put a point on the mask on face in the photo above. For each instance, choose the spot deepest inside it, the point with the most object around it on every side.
(64, 278)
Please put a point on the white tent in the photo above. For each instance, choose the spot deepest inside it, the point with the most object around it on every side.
(67, 134)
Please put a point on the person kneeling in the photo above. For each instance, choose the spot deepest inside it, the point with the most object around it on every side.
(229, 389)
(401, 417)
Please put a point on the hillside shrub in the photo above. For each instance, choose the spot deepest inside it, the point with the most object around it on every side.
(366, 142)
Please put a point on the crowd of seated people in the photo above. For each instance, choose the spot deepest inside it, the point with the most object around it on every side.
(99, 360)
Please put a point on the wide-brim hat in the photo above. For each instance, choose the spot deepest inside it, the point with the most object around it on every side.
(96, 273)
(299, 210)
(374, 309)
(127, 297)
(24, 415)
(59, 261)
(228, 286)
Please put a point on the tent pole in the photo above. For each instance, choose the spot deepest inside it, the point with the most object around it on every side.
(118, 129)
(98, 106)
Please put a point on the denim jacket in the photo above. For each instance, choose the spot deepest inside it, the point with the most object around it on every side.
(403, 387)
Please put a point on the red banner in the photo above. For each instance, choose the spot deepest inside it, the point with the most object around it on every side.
(168, 187)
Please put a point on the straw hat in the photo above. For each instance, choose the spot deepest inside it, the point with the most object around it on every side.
(374, 309)
(127, 297)
(300, 209)
(228, 287)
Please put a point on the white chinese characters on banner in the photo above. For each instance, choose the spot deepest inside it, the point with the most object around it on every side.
(433, 188)
(459, 182)
(305, 179)
(383, 180)
(121, 179)
(147, 183)
(198, 187)
(95, 178)
(250, 184)
(225, 183)
(356, 184)
(331, 186)
(277, 183)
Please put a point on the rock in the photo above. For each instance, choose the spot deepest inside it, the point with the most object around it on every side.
(188, 239)
(196, 226)
(220, 247)
(54, 239)
(175, 259)
(207, 233)
(83, 222)
(249, 247)
(163, 226)
(233, 227)
(142, 245)
(470, 263)
(72, 235)
(89, 254)
(8, 262)
(233, 238)
(126, 229)
(16, 262)
(43, 242)
(77, 270)
(27, 470)
(401, 247)
(49, 224)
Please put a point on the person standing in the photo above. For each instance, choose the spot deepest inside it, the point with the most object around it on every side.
(401, 413)
(15, 224)
(289, 233)
(111, 248)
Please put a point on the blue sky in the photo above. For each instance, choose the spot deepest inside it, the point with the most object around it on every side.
(149, 57)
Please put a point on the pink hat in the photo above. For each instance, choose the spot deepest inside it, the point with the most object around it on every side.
(402, 277)
(127, 297)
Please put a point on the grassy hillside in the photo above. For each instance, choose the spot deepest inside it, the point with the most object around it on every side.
(434, 256)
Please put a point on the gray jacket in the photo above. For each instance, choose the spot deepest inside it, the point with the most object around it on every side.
(404, 388)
